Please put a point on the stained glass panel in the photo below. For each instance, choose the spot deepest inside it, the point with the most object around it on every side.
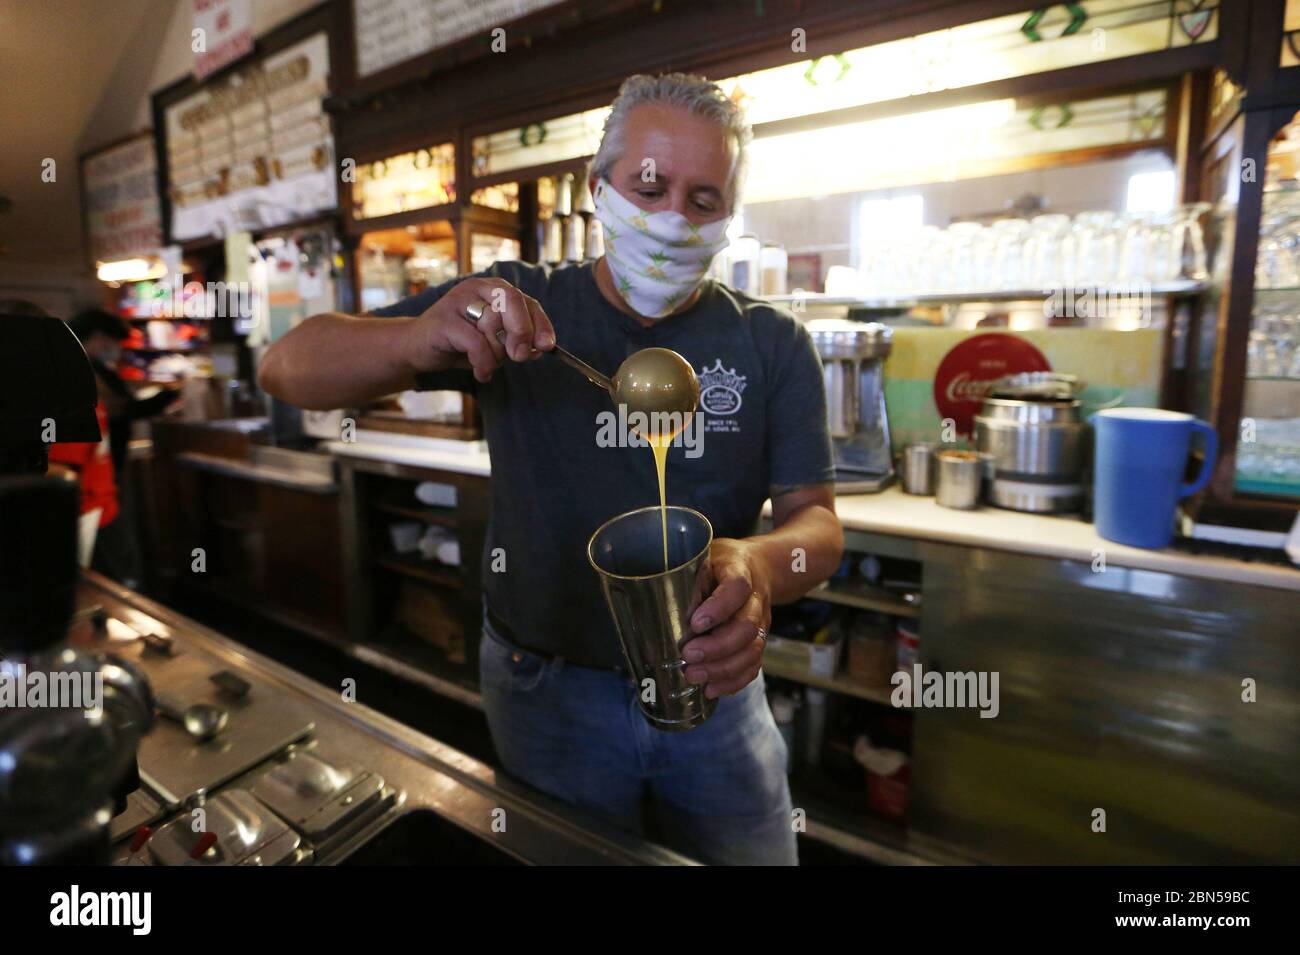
(414, 180)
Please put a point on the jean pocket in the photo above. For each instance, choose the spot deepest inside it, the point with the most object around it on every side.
(508, 667)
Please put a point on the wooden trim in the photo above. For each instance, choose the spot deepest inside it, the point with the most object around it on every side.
(1265, 45)
(1071, 157)
(577, 167)
(1227, 383)
(1193, 99)
(447, 212)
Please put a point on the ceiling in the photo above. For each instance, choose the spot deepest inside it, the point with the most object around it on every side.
(57, 61)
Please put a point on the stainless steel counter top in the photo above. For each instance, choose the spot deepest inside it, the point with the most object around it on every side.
(425, 777)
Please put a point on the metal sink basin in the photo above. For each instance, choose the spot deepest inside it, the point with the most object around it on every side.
(422, 837)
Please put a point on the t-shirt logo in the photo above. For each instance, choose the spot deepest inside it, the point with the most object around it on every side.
(720, 389)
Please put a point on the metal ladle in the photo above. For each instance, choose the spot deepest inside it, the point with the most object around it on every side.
(202, 721)
(650, 380)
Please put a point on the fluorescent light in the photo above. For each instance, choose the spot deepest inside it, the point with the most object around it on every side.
(130, 270)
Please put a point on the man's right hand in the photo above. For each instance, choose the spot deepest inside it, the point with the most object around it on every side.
(442, 338)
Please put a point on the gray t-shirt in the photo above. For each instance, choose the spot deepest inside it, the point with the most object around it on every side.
(553, 485)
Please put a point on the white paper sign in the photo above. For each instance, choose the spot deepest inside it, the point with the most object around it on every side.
(389, 32)
(227, 33)
(121, 200)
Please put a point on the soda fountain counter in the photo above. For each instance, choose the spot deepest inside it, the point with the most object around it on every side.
(300, 775)
(1159, 685)
(1122, 681)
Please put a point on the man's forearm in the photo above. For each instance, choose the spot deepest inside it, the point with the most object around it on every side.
(334, 360)
(802, 552)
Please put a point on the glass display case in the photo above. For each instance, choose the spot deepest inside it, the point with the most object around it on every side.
(1268, 445)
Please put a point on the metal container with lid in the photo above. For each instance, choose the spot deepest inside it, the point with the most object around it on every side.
(1037, 448)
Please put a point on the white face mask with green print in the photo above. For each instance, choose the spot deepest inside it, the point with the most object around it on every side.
(658, 259)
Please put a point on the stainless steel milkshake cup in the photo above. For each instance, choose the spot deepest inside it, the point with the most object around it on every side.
(652, 607)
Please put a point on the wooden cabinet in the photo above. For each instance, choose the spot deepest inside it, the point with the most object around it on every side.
(414, 615)
(248, 534)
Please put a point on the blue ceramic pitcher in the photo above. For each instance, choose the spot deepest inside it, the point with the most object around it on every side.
(1141, 454)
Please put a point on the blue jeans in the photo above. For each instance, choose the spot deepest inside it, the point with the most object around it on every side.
(720, 790)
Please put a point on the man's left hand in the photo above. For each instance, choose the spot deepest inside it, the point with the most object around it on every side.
(733, 620)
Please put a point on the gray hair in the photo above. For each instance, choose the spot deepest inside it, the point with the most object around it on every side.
(693, 93)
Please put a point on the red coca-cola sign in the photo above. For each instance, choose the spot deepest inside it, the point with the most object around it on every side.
(971, 367)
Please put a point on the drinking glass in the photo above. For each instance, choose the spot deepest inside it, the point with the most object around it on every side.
(1162, 263)
(1096, 248)
(1134, 257)
(1008, 238)
(964, 240)
(1046, 245)
(1189, 241)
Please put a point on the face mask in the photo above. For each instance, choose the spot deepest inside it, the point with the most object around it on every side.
(658, 259)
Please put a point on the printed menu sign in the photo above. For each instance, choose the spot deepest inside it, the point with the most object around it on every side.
(227, 33)
(255, 150)
(389, 32)
(121, 200)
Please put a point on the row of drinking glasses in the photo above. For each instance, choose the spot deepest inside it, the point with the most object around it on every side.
(1274, 455)
(1277, 264)
(1273, 348)
(1049, 251)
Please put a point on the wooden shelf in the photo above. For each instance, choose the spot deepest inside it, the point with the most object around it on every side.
(863, 833)
(405, 655)
(442, 516)
(864, 596)
(836, 684)
(434, 573)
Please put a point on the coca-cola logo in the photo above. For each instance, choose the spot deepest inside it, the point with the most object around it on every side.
(968, 371)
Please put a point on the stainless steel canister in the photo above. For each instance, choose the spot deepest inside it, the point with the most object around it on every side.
(1038, 449)
(652, 607)
(960, 479)
(918, 468)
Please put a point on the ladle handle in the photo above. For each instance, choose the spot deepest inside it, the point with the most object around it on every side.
(474, 312)
(170, 707)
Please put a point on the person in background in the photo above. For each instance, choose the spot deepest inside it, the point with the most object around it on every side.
(101, 334)
(92, 464)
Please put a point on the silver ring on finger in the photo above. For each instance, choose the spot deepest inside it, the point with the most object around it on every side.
(762, 635)
(474, 311)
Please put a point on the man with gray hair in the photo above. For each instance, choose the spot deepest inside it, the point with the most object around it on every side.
(561, 707)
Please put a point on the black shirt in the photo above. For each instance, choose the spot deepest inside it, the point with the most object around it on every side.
(553, 485)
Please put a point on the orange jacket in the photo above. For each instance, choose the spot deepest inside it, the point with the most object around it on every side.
(94, 462)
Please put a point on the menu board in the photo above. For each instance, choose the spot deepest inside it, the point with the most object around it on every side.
(255, 150)
(120, 187)
(389, 32)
